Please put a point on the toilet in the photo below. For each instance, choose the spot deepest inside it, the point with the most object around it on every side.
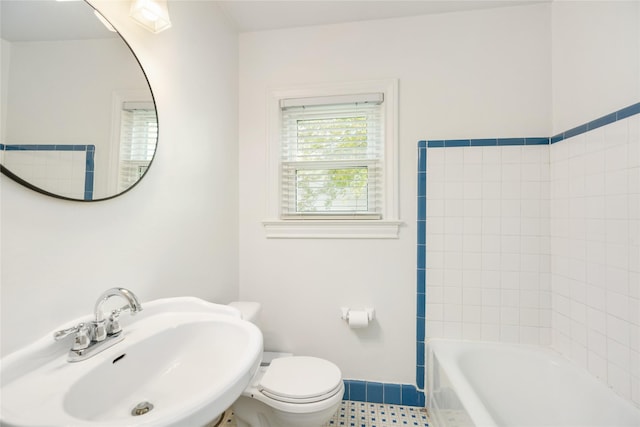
(287, 390)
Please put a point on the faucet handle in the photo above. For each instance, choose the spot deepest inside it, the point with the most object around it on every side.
(63, 333)
(82, 338)
(113, 326)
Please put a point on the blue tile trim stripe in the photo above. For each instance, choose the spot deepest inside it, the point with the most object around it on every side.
(376, 392)
(421, 262)
(486, 142)
(90, 151)
(599, 122)
(586, 127)
(89, 172)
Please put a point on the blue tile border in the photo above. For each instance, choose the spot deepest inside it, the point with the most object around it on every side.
(599, 122)
(486, 142)
(421, 262)
(411, 396)
(393, 394)
(375, 392)
(586, 127)
(536, 141)
(89, 149)
(628, 111)
(378, 392)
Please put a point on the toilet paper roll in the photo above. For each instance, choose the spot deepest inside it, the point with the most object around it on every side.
(358, 319)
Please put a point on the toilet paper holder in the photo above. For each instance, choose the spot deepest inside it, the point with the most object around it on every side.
(345, 313)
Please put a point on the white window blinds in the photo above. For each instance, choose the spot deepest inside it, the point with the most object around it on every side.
(332, 152)
(138, 137)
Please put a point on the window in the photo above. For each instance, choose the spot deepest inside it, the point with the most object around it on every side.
(332, 168)
(332, 158)
(138, 136)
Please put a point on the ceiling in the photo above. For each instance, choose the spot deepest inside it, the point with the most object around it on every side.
(251, 15)
(29, 20)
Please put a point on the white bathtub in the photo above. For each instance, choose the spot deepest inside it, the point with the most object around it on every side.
(493, 384)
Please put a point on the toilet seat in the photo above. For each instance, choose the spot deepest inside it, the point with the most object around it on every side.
(315, 399)
(300, 379)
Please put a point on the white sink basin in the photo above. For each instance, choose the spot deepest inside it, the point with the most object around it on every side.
(188, 358)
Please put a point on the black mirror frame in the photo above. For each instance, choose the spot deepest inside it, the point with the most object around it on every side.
(6, 172)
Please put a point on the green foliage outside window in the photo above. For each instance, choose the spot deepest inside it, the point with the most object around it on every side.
(335, 188)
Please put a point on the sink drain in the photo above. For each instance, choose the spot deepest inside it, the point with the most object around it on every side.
(142, 408)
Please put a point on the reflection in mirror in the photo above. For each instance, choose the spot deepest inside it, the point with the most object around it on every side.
(78, 119)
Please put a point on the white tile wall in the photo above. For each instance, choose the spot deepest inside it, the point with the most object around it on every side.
(488, 244)
(60, 172)
(595, 256)
(541, 245)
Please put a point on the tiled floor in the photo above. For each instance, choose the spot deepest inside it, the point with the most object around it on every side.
(361, 414)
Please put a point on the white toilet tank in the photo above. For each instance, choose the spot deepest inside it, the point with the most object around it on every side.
(250, 310)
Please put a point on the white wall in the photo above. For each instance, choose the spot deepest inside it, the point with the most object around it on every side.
(596, 58)
(5, 56)
(173, 234)
(595, 182)
(473, 74)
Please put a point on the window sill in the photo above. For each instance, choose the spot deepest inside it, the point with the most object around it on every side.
(332, 229)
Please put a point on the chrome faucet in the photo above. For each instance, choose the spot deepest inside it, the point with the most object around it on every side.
(101, 333)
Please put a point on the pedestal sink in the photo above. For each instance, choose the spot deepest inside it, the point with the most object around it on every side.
(182, 363)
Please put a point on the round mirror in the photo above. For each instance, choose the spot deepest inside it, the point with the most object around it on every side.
(78, 120)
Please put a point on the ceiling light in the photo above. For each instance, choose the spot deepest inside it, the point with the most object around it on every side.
(151, 14)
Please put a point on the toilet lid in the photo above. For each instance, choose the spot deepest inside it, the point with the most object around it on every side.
(300, 377)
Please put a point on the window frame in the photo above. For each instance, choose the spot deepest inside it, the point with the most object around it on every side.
(141, 165)
(372, 159)
(118, 98)
(388, 226)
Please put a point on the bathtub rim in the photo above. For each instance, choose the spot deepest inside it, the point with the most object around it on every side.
(453, 350)
(472, 404)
